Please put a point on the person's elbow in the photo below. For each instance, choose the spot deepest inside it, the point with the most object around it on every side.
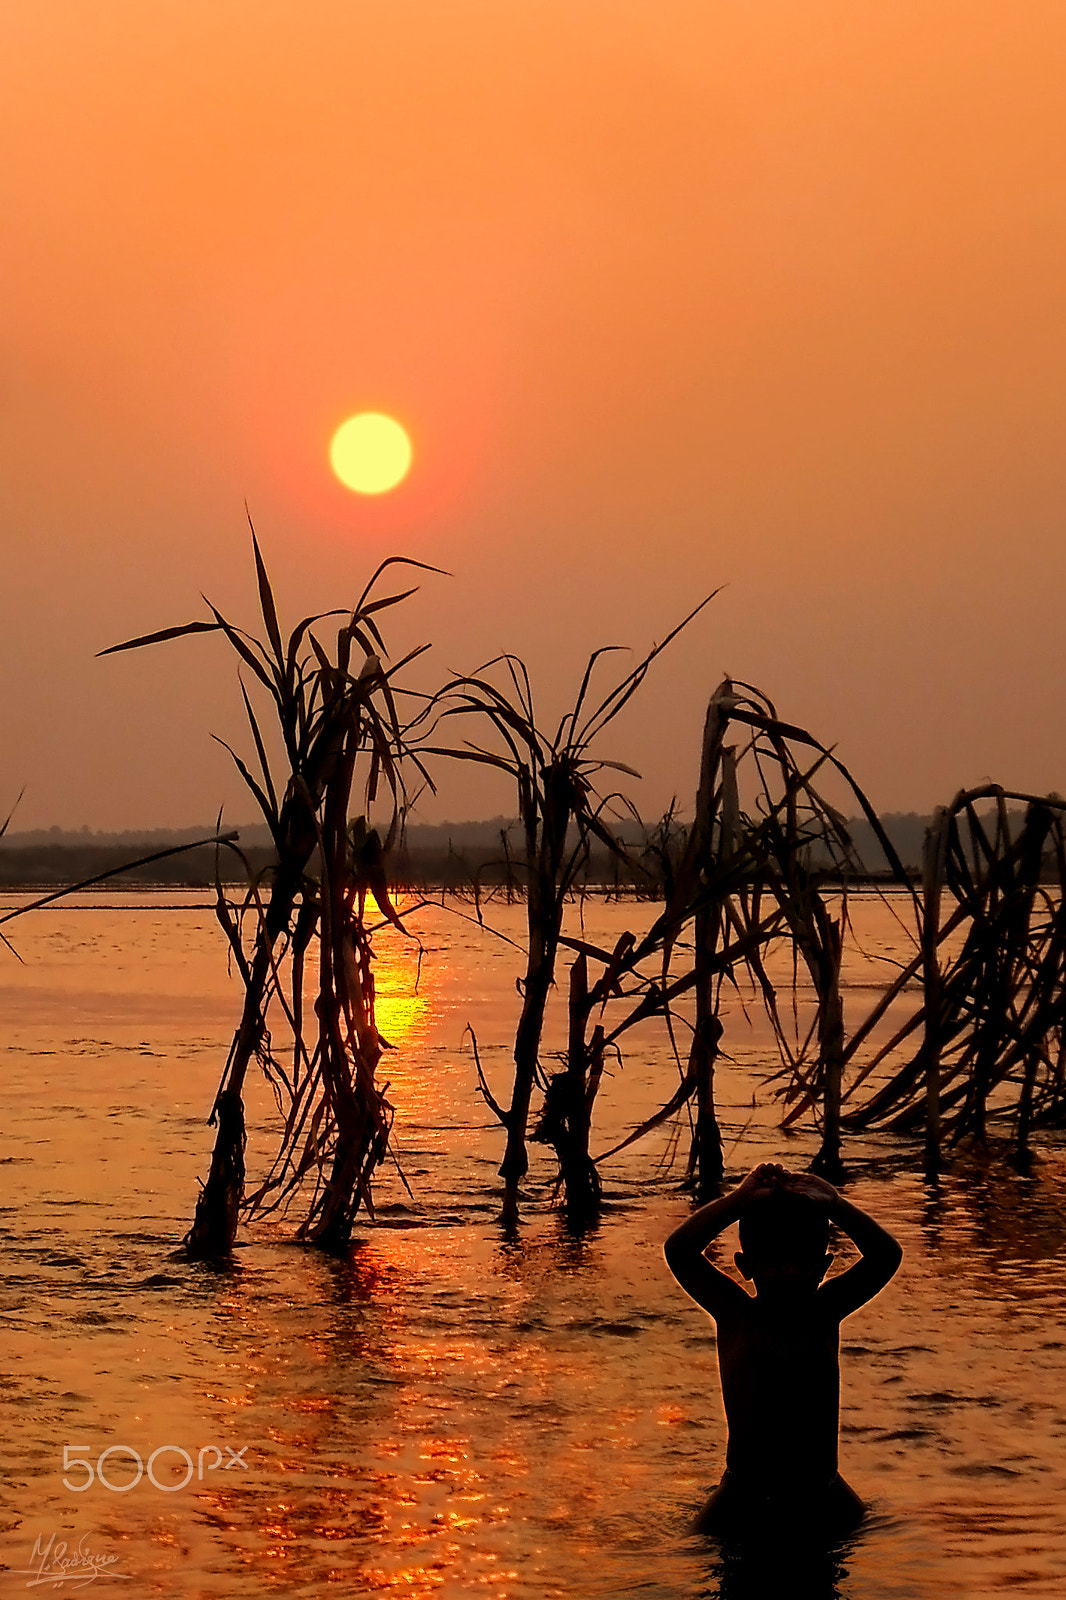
(677, 1251)
(892, 1256)
(683, 1253)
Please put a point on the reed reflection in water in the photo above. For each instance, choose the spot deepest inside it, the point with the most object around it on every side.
(444, 1413)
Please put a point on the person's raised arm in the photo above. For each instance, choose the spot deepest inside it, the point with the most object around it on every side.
(880, 1254)
(684, 1250)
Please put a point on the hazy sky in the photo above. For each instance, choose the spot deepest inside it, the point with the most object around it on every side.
(670, 296)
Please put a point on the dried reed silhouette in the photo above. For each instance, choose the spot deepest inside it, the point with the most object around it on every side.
(561, 813)
(987, 1038)
(333, 713)
(745, 882)
(767, 866)
(804, 858)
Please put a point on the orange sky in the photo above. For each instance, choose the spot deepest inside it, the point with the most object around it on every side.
(670, 296)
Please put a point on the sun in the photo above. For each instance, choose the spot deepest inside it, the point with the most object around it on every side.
(370, 453)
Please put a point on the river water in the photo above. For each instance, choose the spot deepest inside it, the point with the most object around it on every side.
(447, 1413)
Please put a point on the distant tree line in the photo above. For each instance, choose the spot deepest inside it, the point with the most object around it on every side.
(454, 857)
(46, 864)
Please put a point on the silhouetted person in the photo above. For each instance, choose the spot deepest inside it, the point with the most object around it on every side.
(778, 1351)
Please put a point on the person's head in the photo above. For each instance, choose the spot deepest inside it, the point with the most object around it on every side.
(783, 1243)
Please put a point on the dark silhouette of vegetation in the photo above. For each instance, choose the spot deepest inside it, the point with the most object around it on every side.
(745, 883)
(987, 1036)
(561, 814)
(123, 871)
(333, 713)
(765, 871)
(186, 866)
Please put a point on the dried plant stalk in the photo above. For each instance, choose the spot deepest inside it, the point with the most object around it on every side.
(330, 713)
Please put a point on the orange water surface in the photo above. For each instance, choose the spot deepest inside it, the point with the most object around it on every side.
(447, 1412)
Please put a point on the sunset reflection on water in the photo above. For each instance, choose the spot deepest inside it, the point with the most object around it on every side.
(446, 1411)
(404, 984)
(374, 1403)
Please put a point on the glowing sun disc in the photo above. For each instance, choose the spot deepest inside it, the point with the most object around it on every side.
(370, 453)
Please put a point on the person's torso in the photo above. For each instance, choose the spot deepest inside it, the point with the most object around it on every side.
(780, 1375)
